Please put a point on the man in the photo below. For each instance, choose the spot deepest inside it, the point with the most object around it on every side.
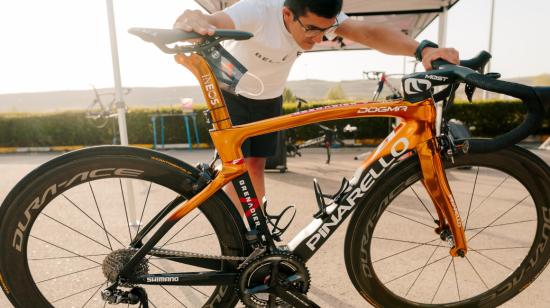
(282, 30)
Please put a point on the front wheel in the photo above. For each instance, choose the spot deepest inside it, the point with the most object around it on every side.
(395, 259)
(60, 223)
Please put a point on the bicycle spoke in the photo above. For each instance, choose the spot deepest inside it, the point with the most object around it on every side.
(189, 239)
(184, 226)
(174, 297)
(503, 248)
(125, 210)
(403, 251)
(499, 225)
(491, 259)
(86, 303)
(405, 217)
(416, 269)
(100, 216)
(66, 257)
(403, 241)
(420, 273)
(64, 275)
(78, 292)
(76, 231)
(518, 203)
(456, 279)
(69, 251)
(423, 204)
(144, 205)
(197, 290)
(491, 193)
(471, 198)
(477, 273)
(441, 281)
(93, 220)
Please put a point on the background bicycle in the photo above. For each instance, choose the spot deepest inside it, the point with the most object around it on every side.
(327, 136)
(100, 113)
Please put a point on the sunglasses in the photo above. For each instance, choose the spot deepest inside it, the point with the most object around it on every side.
(311, 31)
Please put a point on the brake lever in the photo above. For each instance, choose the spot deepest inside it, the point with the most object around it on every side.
(470, 89)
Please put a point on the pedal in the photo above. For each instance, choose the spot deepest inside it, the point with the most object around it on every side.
(275, 220)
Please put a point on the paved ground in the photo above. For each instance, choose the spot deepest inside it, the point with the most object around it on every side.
(330, 284)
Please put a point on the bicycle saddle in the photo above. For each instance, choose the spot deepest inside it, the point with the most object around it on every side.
(168, 36)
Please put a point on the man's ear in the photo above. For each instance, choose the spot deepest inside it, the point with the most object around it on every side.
(287, 13)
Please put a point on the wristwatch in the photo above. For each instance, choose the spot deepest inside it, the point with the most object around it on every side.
(421, 46)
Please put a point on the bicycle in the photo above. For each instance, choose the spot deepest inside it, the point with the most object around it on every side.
(48, 259)
(98, 112)
(328, 136)
(382, 80)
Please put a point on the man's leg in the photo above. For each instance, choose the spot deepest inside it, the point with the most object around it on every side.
(255, 166)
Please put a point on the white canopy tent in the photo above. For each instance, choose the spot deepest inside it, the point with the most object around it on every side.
(411, 16)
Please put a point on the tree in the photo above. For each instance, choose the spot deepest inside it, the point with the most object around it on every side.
(288, 96)
(336, 92)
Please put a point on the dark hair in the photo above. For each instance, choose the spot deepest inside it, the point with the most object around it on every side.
(322, 8)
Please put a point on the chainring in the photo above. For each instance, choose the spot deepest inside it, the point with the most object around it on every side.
(257, 275)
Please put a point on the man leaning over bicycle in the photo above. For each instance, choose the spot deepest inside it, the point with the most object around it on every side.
(282, 30)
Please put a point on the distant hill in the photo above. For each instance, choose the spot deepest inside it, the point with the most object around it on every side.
(154, 97)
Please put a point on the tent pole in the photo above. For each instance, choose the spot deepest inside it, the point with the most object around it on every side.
(121, 111)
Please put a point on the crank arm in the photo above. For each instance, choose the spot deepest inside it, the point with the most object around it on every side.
(295, 298)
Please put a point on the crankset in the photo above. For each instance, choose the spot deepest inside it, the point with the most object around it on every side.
(275, 280)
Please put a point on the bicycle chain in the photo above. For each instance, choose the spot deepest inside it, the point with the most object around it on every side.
(177, 253)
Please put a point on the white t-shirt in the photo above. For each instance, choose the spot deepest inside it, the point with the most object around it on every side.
(268, 55)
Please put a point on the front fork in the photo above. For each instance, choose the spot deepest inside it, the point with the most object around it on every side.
(437, 186)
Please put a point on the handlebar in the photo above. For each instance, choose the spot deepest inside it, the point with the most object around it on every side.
(535, 99)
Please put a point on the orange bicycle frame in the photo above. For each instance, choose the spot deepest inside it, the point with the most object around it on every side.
(415, 133)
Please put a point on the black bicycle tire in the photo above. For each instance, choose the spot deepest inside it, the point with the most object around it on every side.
(533, 173)
(15, 276)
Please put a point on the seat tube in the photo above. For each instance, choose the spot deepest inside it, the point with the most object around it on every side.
(210, 89)
(437, 186)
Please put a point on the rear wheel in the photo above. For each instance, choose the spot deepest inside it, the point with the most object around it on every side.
(60, 222)
(395, 258)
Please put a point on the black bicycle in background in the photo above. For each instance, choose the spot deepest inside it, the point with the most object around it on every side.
(327, 136)
(99, 113)
(382, 80)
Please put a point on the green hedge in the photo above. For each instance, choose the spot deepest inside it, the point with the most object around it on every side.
(72, 128)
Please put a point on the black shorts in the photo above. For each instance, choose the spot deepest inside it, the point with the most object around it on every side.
(244, 110)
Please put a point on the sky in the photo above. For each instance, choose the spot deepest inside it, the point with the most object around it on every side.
(64, 44)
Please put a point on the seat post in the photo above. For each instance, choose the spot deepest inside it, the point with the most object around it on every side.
(210, 89)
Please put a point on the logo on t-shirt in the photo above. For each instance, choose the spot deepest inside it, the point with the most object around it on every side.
(269, 60)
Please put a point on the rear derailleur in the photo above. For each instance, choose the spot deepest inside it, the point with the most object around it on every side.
(136, 295)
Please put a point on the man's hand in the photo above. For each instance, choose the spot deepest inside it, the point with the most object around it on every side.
(194, 20)
(430, 54)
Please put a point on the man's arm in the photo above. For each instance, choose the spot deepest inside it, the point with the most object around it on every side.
(195, 20)
(392, 41)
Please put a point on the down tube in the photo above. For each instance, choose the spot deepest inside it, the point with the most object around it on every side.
(309, 240)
